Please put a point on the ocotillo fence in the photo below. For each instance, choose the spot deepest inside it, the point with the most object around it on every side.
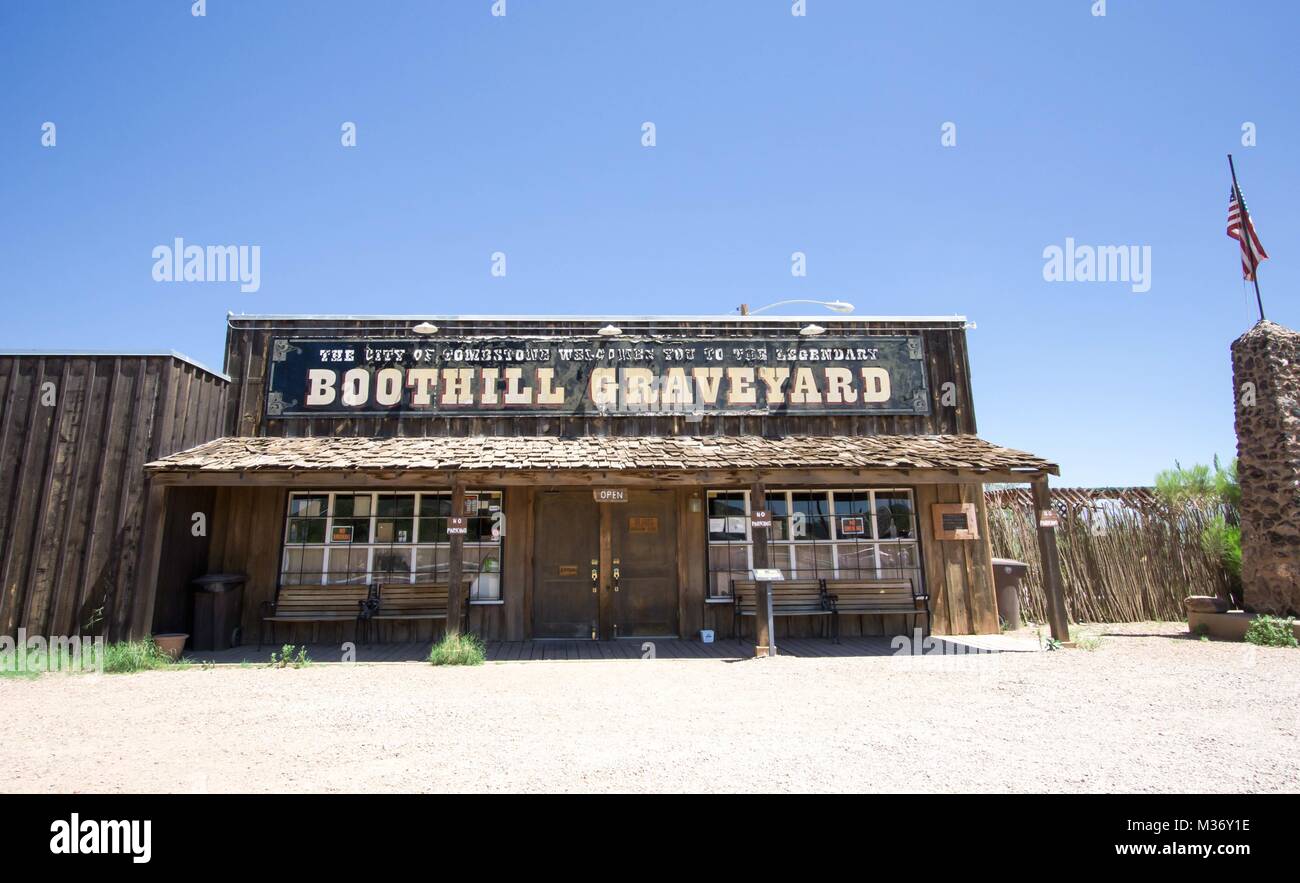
(1125, 555)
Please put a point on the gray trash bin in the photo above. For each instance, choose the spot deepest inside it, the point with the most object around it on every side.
(217, 607)
(1008, 575)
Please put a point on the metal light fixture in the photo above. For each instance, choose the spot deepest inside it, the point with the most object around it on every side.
(812, 330)
(835, 306)
(610, 331)
(425, 328)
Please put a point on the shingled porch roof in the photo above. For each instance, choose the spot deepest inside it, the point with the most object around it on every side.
(953, 453)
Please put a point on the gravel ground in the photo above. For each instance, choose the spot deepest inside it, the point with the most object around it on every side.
(1148, 710)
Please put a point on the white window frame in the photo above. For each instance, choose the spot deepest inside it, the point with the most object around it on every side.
(412, 548)
(787, 547)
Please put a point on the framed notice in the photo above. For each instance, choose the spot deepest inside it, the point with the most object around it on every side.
(853, 526)
(955, 521)
(341, 534)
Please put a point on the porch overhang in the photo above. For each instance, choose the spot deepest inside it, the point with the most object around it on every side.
(593, 460)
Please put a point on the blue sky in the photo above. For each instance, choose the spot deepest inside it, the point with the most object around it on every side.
(775, 134)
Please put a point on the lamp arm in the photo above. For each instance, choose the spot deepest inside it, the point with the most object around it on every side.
(781, 303)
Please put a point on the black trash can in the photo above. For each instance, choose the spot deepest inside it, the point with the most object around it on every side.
(217, 608)
(1008, 576)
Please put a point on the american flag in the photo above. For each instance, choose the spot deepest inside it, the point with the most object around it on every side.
(1252, 251)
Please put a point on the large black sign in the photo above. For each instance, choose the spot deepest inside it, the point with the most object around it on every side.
(585, 376)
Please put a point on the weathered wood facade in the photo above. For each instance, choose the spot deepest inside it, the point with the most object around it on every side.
(564, 546)
(75, 433)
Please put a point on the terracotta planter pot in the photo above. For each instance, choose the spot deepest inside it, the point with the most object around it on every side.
(171, 644)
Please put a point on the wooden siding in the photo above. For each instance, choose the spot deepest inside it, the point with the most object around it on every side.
(248, 344)
(72, 483)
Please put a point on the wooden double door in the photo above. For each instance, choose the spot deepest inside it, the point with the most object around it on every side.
(605, 570)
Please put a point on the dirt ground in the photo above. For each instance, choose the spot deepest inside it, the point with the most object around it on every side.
(1148, 710)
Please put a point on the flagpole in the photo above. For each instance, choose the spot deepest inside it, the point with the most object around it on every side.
(1246, 239)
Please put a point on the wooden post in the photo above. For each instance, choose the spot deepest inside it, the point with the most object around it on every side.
(455, 562)
(764, 640)
(1050, 557)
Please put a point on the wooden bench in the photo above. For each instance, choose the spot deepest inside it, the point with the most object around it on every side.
(407, 602)
(793, 597)
(861, 597)
(340, 603)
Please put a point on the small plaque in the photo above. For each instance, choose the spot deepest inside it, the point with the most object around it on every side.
(456, 525)
(1048, 518)
(643, 524)
(610, 494)
(568, 570)
(766, 575)
(955, 521)
(760, 518)
(853, 526)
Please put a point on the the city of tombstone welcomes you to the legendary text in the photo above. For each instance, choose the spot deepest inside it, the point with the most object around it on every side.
(880, 375)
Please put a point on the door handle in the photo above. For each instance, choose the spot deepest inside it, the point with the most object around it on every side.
(616, 578)
(595, 576)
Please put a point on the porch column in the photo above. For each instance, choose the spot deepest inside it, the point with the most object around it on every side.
(764, 640)
(456, 560)
(1051, 561)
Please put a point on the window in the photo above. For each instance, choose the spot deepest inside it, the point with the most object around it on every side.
(347, 537)
(862, 533)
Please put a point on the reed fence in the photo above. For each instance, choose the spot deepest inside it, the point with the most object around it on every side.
(1125, 555)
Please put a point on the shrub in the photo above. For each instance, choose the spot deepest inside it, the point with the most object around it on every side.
(1272, 631)
(458, 650)
(124, 657)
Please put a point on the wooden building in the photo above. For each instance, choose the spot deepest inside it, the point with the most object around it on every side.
(593, 478)
(75, 433)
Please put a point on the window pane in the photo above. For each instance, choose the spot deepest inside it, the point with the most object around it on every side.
(813, 561)
(307, 518)
(894, 515)
(725, 564)
(434, 511)
(392, 564)
(430, 564)
(351, 519)
(395, 523)
(852, 514)
(727, 516)
(857, 560)
(899, 561)
(484, 564)
(348, 565)
(776, 504)
(811, 517)
(302, 566)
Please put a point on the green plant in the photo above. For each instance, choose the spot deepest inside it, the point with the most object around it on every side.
(1088, 642)
(290, 656)
(1272, 631)
(1222, 542)
(458, 650)
(124, 657)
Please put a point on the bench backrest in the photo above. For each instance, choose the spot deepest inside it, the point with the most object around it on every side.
(871, 594)
(398, 597)
(790, 594)
(343, 599)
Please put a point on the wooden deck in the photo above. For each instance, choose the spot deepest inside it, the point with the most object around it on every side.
(574, 651)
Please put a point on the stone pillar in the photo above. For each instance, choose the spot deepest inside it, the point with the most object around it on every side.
(1266, 380)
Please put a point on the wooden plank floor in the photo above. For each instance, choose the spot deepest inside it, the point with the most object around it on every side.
(526, 651)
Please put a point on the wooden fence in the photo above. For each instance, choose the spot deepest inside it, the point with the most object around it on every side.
(1125, 556)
